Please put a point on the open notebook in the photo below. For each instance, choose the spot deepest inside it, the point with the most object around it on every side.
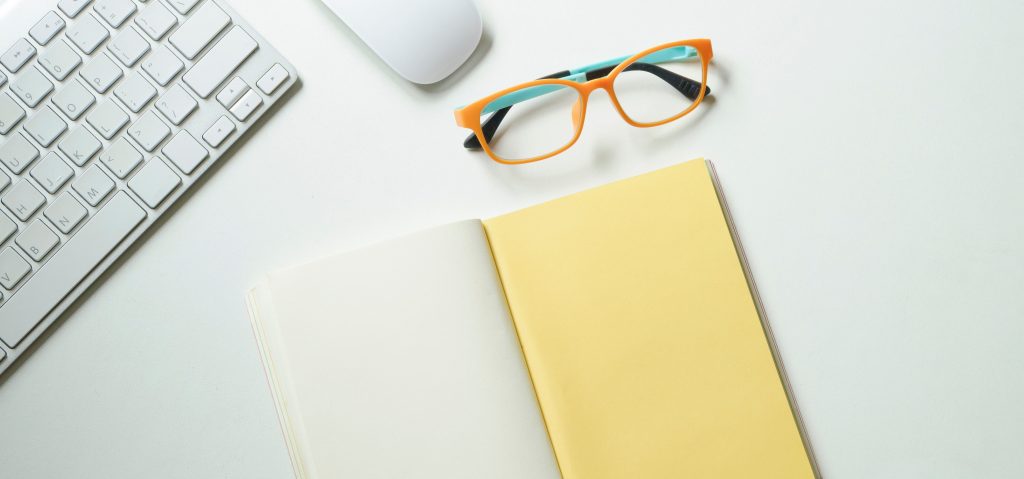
(610, 334)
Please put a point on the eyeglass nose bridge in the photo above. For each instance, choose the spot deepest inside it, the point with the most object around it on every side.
(579, 107)
(585, 89)
(603, 83)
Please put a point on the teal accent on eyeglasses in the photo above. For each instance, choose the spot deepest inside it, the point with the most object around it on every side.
(661, 56)
(579, 75)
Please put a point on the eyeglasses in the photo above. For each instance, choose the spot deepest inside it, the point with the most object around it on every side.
(651, 88)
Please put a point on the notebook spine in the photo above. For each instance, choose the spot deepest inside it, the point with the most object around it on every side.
(262, 317)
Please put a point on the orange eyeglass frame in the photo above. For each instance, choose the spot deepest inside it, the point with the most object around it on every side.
(470, 115)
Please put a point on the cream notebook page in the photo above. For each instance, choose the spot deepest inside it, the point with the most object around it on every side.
(401, 361)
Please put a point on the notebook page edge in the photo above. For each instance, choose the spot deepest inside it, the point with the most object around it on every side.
(765, 323)
(263, 318)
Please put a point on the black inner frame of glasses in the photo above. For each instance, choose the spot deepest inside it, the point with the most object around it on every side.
(689, 88)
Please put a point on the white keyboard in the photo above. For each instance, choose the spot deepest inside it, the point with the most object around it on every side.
(109, 111)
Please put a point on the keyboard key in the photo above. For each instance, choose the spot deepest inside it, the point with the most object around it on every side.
(23, 200)
(220, 61)
(176, 104)
(88, 34)
(13, 268)
(74, 100)
(83, 252)
(72, 8)
(92, 143)
(101, 73)
(219, 131)
(156, 20)
(65, 212)
(7, 228)
(121, 157)
(37, 240)
(248, 104)
(80, 146)
(10, 113)
(185, 152)
(135, 92)
(20, 53)
(18, 153)
(52, 172)
(272, 79)
(129, 47)
(60, 60)
(108, 119)
(94, 185)
(45, 126)
(149, 131)
(32, 87)
(232, 92)
(45, 29)
(162, 65)
(199, 30)
(154, 182)
(183, 6)
(115, 12)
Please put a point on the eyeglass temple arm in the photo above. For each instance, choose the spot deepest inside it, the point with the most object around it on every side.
(689, 88)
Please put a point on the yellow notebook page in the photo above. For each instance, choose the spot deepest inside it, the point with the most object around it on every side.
(642, 337)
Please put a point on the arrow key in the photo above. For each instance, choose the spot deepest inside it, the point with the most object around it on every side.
(219, 131)
(248, 104)
(272, 79)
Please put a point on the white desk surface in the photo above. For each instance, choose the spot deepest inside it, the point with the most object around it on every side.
(871, 152)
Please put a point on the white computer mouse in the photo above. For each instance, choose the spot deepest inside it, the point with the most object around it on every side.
(423, 40)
